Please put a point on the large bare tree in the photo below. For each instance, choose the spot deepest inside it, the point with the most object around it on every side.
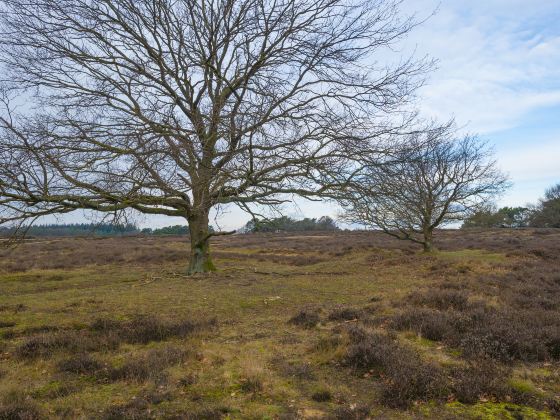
(174, 107)
(433, 180)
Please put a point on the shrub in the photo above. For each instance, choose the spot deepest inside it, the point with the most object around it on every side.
(301, 371)
(43, 345)
(410, 380)
(352, 413)
(145, 328)
(406, 377)
(305, 318)
(322, 395)
(252, 384)
(369, 351)
(483, 378)
(16, 406)
(107, 334)
(441, 299)
(430, 324)
(344, 314)
(135, 410)
(150, 365)
(81, 364)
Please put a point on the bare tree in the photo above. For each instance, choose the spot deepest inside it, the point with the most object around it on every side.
(174, 107)
(433, 180)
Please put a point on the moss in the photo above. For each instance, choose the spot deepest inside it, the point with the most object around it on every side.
(471, 254)
(522, 386)
(497, 411)
(53, 389)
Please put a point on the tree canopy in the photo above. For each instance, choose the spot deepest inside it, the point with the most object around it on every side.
(176, 107)
(433, 180)
(288, 224)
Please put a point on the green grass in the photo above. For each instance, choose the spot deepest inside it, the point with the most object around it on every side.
(232, 370)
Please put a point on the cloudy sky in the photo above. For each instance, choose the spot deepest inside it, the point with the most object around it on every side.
(498, 75)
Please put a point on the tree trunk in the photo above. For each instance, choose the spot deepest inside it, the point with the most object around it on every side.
(200, 261)
(428, 246)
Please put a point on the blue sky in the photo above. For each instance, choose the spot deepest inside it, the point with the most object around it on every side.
(498, 76)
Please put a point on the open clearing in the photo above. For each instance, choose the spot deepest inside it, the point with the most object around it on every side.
(342, 325)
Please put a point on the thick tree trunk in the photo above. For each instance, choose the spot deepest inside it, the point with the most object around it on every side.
(200, 261)
(428, 244)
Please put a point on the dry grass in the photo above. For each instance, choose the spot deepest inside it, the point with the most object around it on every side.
(343, 325)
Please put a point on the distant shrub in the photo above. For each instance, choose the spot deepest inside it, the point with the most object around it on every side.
(301, 371)
(252, 384)
(430, 324)
(359, 412)
(441, 299)
(150, 365)
(145, 328)
(45, 344)
(305, 318)
(136, 409)
(322, 395)
(344, 314)
(81, 364)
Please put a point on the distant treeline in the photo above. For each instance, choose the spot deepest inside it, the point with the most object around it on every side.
(102, 229)
(287, 224)
(171, 230)
(76, 229)
(544, 214)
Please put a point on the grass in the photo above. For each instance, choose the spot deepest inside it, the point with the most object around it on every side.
(113, 327)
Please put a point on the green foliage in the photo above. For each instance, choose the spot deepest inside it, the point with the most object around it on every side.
(547, 213)
(508, 217)
(171, 230)
(77, 229)
(287, 224)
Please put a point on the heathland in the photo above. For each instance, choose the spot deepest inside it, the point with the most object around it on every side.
(320, 325)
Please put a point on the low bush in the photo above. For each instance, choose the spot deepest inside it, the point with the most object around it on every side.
(135, 410)
(150, 365)
(80, 364)
(429, 323)
(478, 380)
(75, 341)
(322, 395)
(15, 405)
(301, 371)
(145, 328)
(305, 318)
(344, 314)
(352, 413)
(406, 377)
(502, 334)
(107, 334)
(441, 299)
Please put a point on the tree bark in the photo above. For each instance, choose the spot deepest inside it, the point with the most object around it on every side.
(428, 244)
(200, 261)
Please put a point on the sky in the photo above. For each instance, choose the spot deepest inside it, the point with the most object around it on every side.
(498, 75)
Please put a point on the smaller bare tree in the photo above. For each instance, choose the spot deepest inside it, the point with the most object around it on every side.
(432, 180)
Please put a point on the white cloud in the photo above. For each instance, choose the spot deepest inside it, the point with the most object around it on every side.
(533, 162)
(498, 62)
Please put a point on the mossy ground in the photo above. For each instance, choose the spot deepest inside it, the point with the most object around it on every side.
(254, 364)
